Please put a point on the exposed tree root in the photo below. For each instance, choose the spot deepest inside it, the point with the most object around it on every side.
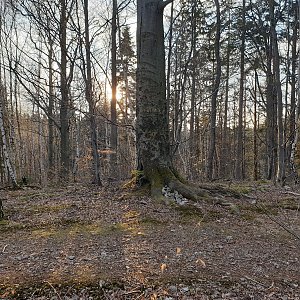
(166, 176)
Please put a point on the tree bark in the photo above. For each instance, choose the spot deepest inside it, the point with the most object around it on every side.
(170, 55)
(239, 172)
(255, 133)
(225, 162)
(50, 113)
(295, 117)
(271, 111)
(6, 156)
(113, 107)
(152, 111)
(64, 105)
(193, 90)
(213, 115)
(152, 126)
(280, 174)
(90, 100)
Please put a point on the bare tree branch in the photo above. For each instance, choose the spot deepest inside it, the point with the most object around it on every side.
(163, 4)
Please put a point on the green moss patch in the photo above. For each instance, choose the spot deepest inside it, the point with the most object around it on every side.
(48, 208)
(189, 214)
(9, 226)
(148, 220)
(79, 228)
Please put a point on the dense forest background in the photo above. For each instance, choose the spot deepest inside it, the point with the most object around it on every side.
(67, 89)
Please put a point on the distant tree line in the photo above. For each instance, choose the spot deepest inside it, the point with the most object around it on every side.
(68, 89)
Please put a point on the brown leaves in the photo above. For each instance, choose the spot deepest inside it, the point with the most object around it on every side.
(163, 267)
(201, 262)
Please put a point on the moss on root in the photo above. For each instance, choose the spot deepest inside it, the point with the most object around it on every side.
(159, 176)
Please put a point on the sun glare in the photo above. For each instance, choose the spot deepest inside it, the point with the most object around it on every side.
(109, 94)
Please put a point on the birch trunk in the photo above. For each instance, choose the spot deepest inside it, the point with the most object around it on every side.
(6, 156)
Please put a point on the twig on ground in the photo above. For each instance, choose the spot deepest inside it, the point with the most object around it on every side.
(292, 193)
(141, 296)
(283, 226)
(4, 248)
(255, 281)
(133, 291)
(271, 286)
(55, 291)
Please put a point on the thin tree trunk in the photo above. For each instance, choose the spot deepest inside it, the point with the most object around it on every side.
(239, 173)
(170, 55)
(113, 110)
(271, 116)
(64, 105)
(51, 165)
(40, 147)
(255, 146)
(193, 91)
(280, 175)
(90, 100)
(294, 94)
(7, 159)
(213, 116)
(225, 158)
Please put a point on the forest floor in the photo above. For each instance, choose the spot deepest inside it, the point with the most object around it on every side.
(83, 242)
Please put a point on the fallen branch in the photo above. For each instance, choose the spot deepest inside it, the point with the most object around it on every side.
(283, 226)
(255, 281)
(292, 193)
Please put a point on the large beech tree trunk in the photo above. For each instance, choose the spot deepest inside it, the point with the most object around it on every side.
(152, 111)
(152, 127)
